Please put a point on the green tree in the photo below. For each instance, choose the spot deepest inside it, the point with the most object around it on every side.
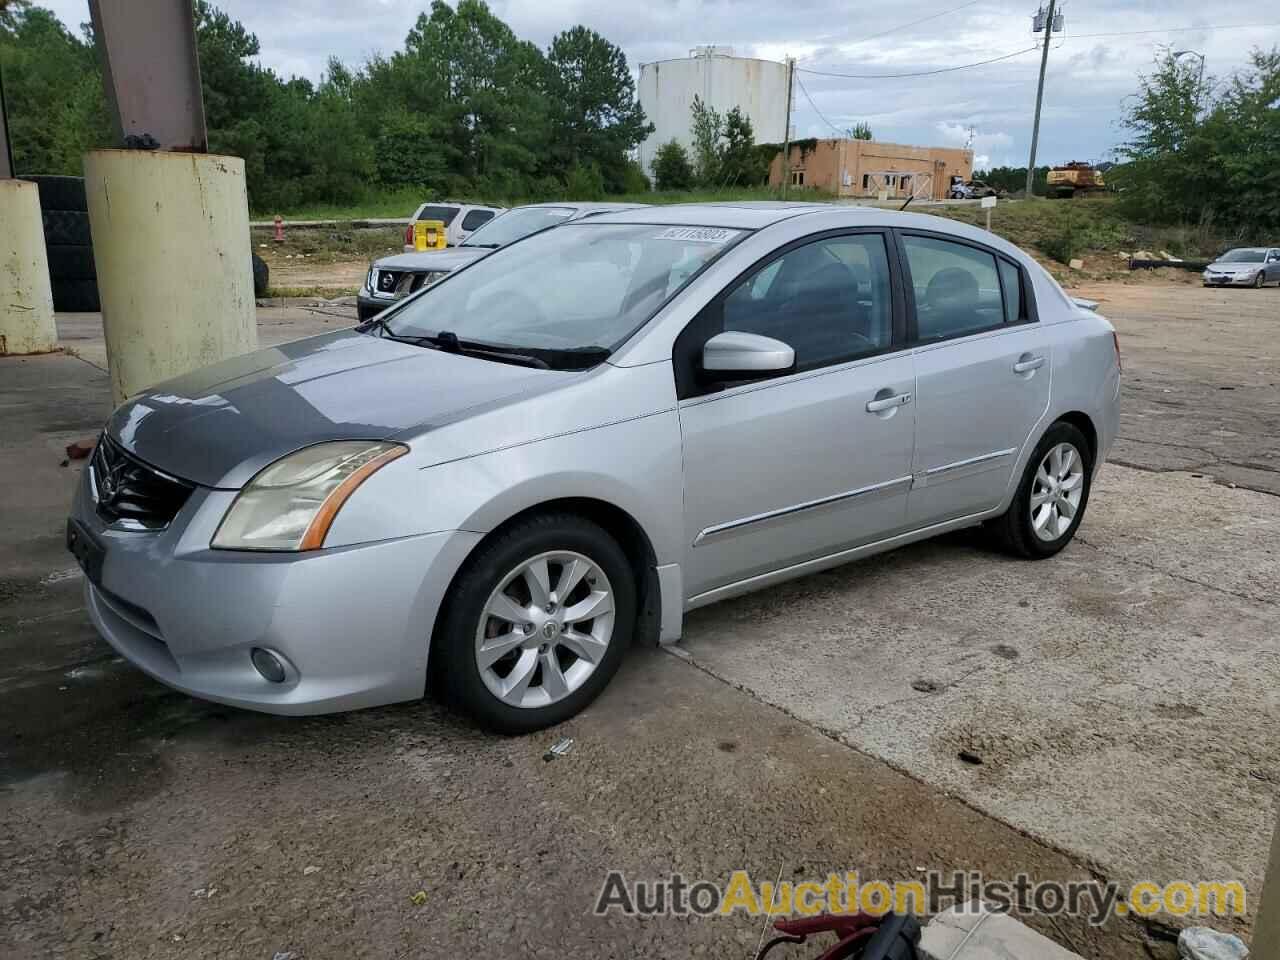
(53, 92)
(740, 163)
(595, 117)
(707, 127)
(860, 131)
(671, 167)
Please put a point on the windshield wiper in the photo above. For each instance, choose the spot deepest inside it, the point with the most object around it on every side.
(483, 246)
(448, 341)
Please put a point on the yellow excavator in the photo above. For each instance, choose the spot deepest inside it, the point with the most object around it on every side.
(1073, 179)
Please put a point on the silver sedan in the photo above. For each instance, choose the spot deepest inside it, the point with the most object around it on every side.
(626, 418)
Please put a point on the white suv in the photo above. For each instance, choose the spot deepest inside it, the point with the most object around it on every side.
(460, 219)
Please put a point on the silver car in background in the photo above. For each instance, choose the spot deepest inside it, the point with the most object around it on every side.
(626, 417)
(393, 278)
(1244, 267)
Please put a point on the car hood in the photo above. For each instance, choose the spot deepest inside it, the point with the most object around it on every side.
(219, 425)
(1220, 266)
(433, 260)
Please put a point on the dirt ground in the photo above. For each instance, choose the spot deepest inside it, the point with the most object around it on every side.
(1121, 700)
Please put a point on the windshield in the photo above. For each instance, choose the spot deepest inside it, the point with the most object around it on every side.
(445, 214)
(1241, 256)
(516, 224)
(581, 285)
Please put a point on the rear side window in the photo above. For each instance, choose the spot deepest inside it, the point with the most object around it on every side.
(438, 213)
(957, 288)
(476, 218)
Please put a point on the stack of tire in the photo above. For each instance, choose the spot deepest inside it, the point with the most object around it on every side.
(65, 212)
(72, 275)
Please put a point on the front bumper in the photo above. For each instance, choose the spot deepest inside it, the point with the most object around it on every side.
(1229, 279)
(368, 306)
(351, 624)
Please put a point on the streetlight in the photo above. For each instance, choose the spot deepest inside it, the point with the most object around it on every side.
(1200, 82)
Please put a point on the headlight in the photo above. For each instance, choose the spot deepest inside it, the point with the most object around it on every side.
(291, 504)
(371, 280)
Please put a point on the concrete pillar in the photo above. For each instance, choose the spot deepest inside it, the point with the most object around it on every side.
(26, 305)
(171, 244)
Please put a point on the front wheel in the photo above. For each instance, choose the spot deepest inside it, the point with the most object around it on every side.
(537, 623)
(1051, 499)
(1259, 280)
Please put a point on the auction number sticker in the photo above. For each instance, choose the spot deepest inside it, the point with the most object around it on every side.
(698, 234)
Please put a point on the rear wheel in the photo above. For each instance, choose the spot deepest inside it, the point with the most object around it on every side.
(1051, 499)
(537, 623)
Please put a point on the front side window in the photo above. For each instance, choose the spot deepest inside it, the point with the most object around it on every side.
(957, 288)
(829, 300)
(580, 287)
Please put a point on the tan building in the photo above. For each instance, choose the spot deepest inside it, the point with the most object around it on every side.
(865, 168)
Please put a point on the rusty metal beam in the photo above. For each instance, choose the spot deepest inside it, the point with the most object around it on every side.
(151, 72)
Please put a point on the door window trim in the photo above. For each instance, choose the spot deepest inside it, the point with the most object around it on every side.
(709, 321)
(1028, 313)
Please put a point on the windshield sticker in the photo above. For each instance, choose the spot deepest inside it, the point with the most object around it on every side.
(697, 234)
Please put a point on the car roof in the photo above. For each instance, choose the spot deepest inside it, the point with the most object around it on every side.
(743, 214)
(581, 206)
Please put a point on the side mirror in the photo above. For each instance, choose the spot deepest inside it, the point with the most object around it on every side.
(735, 355)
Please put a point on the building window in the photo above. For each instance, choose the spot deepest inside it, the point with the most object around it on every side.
(866, 181)
(797, 178)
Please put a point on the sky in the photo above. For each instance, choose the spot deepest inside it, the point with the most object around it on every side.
(1088, 79)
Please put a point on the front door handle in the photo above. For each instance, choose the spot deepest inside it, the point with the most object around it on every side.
(888, 403)
(1027, 364)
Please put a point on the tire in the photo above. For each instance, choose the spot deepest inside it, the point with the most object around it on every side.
(1258, 281)
(466, 618)
(71, 263)
(1014, 530)
(75, 296)
(66, 228)
(60, 193)
(261, 277)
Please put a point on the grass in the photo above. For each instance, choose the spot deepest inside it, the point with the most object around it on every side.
(1091, 228)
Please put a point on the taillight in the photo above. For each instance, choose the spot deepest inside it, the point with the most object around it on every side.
(1115, 339)
(408, 234)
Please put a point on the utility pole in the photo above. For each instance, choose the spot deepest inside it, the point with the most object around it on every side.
(786, 129)
(1049, 28)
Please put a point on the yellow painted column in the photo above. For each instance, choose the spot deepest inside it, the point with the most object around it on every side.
(171, 244)
(26, 303)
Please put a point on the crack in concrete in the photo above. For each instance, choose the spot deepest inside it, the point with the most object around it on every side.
(1151, 565)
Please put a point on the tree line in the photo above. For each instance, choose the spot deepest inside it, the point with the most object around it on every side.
(1204, 151)
(465, 108)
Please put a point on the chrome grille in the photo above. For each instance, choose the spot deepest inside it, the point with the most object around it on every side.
(126, 490)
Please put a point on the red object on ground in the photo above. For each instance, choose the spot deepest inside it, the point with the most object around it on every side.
(80, 449)
(279, 237)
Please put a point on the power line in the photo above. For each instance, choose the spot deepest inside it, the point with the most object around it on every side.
(815, 108)
(1134, 33)
(922, 73)
(1018, 53)
(903, 26)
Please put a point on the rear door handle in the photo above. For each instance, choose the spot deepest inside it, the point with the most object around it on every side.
(1026, 366)
(887, 403)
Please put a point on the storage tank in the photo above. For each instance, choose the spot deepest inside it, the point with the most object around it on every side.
(723, 81)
